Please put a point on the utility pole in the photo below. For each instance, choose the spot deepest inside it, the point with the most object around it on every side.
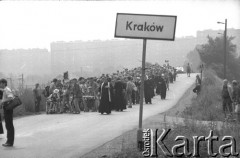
(22, 81)
(225, 50)
(201, 68)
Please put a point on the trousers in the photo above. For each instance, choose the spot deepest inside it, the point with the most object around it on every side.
(8, 115)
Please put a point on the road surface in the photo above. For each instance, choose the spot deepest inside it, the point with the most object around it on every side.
(73, 135)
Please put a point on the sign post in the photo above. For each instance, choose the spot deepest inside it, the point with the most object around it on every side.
(145, 26)
(139, 132)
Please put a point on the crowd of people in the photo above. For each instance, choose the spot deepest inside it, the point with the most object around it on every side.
(231, 100)
(116, 91)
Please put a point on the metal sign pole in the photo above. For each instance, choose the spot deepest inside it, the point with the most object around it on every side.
(139, 132)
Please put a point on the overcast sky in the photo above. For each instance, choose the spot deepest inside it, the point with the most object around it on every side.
(37, 24)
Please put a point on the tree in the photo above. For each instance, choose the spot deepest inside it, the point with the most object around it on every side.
(212, 54)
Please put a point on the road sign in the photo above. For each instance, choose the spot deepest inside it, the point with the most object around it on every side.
(145, 26)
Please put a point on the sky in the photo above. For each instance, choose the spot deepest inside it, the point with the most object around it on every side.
(37, 24)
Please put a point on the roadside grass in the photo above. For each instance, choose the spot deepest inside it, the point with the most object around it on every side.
(127, 145)
(207, 106)
(203, 115)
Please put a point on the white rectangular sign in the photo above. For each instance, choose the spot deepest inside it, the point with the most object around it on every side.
(158, 27)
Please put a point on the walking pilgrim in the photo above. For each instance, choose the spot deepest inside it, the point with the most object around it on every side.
(147, 90)
(106, 92)
(161, 87)
(119, 95)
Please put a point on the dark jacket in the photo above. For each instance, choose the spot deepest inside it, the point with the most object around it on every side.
(225, 92)
(236, 94)
(77, 93)
(1, 127)
(1, 94)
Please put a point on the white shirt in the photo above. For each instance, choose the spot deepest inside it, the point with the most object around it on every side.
(7, 94)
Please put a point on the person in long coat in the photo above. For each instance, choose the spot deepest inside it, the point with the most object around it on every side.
(125, 91)
(148, 91)
(161, 87)
(171, 77)
(119, 95)
(158, 80)
(151, 80)
(106, 92)
(1, 127)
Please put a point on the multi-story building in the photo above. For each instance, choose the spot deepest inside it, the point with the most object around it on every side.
(91, 58)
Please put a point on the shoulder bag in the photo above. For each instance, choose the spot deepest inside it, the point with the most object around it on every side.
(12, 104)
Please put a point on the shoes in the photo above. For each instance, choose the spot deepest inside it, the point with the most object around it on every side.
(7, 145)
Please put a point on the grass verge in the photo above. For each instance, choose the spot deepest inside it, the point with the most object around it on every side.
(204, 107)
(207, 106)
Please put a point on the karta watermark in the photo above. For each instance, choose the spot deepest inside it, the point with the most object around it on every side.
(152, 143)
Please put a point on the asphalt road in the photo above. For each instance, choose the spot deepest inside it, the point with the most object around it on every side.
(73, 135)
